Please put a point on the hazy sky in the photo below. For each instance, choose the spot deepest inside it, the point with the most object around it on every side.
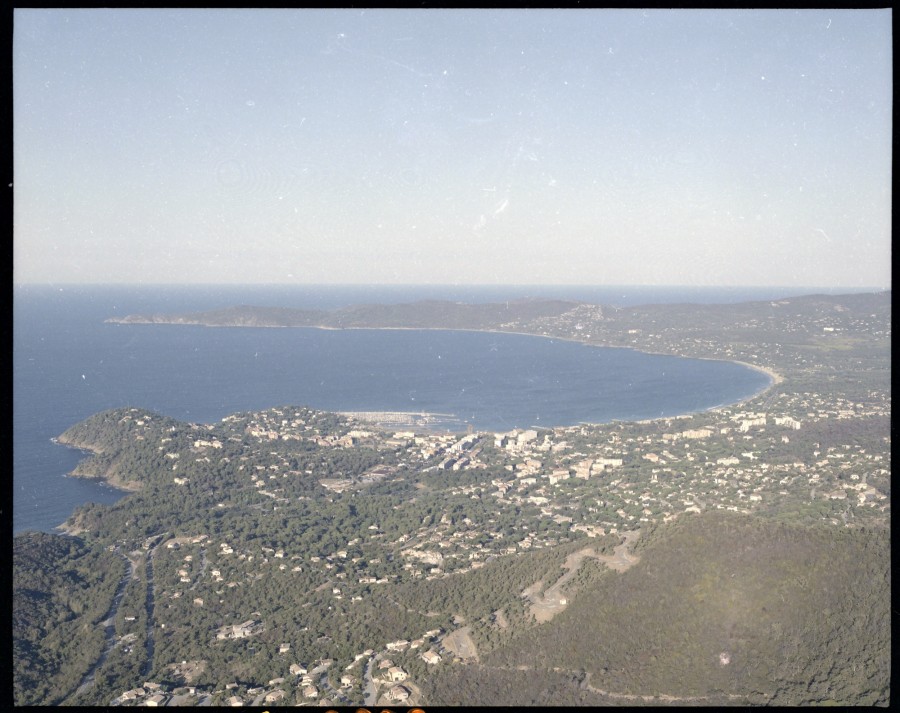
(444, 146)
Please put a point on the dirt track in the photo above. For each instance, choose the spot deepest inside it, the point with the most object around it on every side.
(547, 604)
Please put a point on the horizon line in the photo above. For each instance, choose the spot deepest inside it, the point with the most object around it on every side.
(875, 288)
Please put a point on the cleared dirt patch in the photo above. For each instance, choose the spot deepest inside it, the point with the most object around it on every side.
(460, 643)
(547, 604)
(187, 672)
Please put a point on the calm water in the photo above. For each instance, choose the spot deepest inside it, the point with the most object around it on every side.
(68, 364)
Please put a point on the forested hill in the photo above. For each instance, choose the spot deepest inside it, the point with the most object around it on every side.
(61, 589)
(722, 609)
(125, 444)
(108, 428)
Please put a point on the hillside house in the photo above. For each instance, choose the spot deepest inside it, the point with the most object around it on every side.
(396, 674)
(398, 693)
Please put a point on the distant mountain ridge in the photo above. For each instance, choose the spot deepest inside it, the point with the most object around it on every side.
(414, 315)
(440, 314)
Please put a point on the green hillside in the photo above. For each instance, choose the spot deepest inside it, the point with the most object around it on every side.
(61, 590)
(720, 608)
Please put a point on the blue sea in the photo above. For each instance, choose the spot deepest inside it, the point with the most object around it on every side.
(69, 364)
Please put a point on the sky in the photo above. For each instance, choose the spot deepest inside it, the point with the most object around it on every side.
(583, 147)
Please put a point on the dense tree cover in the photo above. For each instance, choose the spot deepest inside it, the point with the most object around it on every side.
(263, 498)
(480, 685)
(61, 590)
(755, 592)
(479, 593)
(127, 660)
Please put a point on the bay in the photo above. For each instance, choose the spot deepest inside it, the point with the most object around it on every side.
(69, 364)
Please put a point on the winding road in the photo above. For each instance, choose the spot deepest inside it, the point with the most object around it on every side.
(547, 604)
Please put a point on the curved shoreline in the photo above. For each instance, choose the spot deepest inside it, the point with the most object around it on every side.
(774, 377)
(771, 373)
(112, 480)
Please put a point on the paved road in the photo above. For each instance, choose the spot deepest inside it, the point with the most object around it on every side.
(203, 564)
(109, 625)
(151, 599)
(369, 691)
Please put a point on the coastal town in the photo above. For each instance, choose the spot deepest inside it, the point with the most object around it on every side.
(409, 359)
(564, 483)
(357, 512)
